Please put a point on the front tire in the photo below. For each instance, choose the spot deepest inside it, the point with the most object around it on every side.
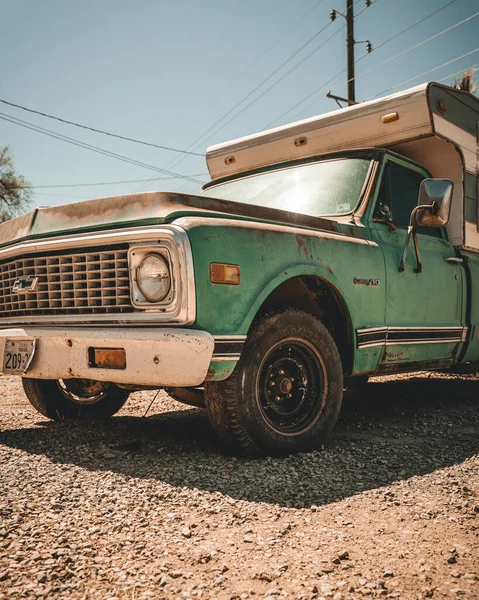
(285, 393)
(74, 399)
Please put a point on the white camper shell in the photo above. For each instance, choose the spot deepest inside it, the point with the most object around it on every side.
(432, 124)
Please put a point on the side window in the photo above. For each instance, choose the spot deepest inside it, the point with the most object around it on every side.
(398, 196)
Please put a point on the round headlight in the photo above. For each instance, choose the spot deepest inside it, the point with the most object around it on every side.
(153, 278)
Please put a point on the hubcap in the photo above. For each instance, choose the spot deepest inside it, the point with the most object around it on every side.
(290, 386)
(83, 391)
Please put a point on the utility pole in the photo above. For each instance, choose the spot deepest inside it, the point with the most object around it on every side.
(350, 47)
(350, 43)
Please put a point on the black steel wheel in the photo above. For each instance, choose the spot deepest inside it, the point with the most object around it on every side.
(74, 399)
(290, 386)
(285, 393)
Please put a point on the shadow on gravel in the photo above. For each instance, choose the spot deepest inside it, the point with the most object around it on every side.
(388, 431)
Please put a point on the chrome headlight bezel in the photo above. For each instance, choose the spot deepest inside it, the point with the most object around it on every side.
(163, 277)
(136, 255)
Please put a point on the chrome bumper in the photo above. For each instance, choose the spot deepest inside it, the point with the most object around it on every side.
(154, 356)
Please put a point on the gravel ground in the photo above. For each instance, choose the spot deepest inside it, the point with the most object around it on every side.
(153, 508)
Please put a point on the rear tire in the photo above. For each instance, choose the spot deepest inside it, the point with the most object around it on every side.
(285, 393)
(74, 399)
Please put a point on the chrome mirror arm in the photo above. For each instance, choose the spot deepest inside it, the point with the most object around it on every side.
(411, 230)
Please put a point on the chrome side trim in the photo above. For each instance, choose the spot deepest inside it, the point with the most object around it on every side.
(392, 336)
(228, 347)
(185, 310)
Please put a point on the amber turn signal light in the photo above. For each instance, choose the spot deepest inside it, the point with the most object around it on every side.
(222, 273)
(390, 118)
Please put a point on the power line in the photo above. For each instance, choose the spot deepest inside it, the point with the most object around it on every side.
(274, 84)
(433, 37)
(258, 58)
(380, 64)
(96, 149)
(396, 35)
(196, 142)
(322, 86)
(472, 68)
(393, 87)
(260, 85)
(115, 135)
(72, 185)
(313, 93)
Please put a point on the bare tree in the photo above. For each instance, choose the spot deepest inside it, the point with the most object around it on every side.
(15, 192)
(466, 82)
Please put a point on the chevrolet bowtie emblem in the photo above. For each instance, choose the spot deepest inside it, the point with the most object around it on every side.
(25, 285)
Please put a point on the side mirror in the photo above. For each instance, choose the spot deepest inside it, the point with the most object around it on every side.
(435, 199)
(433, 210)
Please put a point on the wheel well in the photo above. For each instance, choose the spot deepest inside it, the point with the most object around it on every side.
(318, 297)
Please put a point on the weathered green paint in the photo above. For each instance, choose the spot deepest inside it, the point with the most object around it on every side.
(220, 370)
(268, 256)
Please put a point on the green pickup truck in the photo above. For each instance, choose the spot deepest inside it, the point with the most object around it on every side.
(320, 253)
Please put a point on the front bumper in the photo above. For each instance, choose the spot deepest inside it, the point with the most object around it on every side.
(160, 357)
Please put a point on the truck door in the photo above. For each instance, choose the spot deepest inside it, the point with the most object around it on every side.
(423, 311)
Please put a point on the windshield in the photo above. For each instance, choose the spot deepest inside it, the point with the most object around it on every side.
(330, 187)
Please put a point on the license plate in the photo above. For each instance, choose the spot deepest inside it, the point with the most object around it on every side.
(17, 356)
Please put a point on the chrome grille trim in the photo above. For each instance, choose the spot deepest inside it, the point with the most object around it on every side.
(181, 313)
(92, 281)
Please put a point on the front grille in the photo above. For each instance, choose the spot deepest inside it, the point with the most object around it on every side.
(84, 282)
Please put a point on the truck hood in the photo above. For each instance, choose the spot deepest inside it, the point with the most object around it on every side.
(151, 208)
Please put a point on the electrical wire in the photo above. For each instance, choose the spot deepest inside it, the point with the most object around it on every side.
(433, 37)
(313, 93)
(304, 59)
(472, 69)
(322, 86)
(255, 89)
(281, 78)
(115, 135)
(199, 140)
(373, 68)
(396, 35)
(96, 149)
(449, 62)
(258, 58)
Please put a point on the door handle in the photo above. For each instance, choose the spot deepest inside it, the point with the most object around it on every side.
(454, 260)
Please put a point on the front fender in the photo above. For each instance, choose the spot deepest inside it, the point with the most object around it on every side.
(270, 254)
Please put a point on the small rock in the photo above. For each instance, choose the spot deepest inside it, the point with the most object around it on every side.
(41, 577)
(451, 559)
(388, 574)
(344, 555)
(176, 574)
(186, 532)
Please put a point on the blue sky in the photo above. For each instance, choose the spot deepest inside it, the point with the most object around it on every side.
(167, 71)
